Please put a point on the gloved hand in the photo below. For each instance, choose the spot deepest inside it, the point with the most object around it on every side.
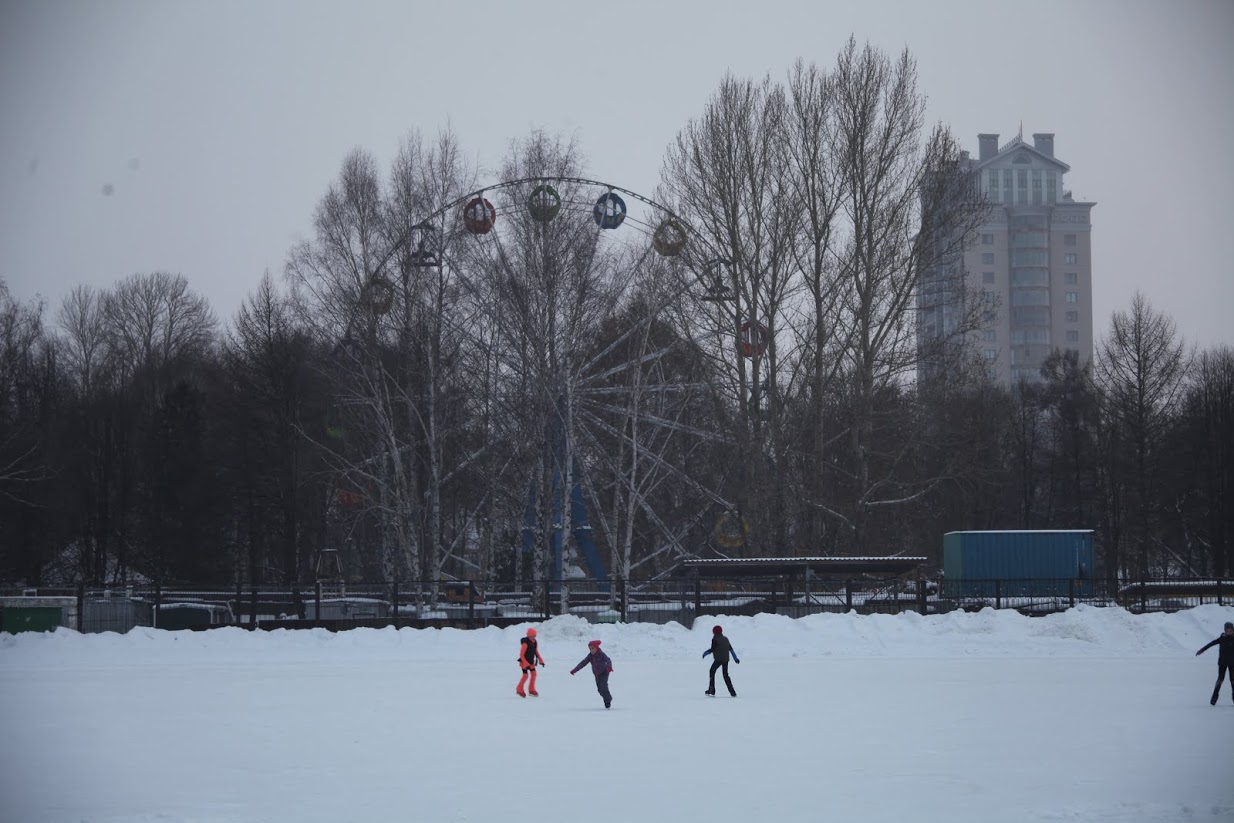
(542, 663)
(1197, 654)
(735, 660)
(706, 653)
(573, 673)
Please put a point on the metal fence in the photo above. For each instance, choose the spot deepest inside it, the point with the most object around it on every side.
(472, 604)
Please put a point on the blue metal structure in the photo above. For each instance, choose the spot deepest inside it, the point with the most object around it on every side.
(554, 453)
(1030, 562)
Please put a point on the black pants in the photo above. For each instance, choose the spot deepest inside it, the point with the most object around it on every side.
(711, 687)
(1222, 668)
(602, 688)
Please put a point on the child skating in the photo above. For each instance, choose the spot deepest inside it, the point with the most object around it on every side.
(601, 666)
(528, 657)
(1225, 660)
(720, 649)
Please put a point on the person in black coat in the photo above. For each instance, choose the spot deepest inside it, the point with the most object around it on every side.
(1225, 660)
(720, 649)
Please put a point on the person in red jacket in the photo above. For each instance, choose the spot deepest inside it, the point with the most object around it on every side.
(601, 667)
(528, 657)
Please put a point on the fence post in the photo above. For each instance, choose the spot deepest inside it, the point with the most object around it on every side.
(81, 605)
(998, 594)
(621, 596)
(394, 601)
(158, 603)
(922, 606)
(548, 599)
(317, 606)
(848, 595)
(1220, 601)
(239, 603)
(1143, 596)
(471, 606)
(253, 607)
(698, 594)
(1071, 593)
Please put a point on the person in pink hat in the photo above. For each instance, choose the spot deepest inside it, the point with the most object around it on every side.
(601, 666)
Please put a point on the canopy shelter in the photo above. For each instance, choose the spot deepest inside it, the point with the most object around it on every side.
(797, 567)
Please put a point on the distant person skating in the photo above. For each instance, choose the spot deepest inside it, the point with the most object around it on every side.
(721, 649)
(528, 657)
(601, 665)
(1225, 660)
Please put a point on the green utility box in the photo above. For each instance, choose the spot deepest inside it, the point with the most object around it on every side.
(14, 619)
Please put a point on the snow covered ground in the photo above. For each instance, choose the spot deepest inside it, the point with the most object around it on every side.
(1090, 715)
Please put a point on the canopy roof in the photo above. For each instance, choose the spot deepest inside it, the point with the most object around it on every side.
(797, 566)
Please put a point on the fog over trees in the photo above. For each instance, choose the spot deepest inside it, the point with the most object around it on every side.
(732, 370)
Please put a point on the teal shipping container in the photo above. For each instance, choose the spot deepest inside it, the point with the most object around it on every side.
(1025, 562)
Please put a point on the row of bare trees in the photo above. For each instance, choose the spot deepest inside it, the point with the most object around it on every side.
(432, 402)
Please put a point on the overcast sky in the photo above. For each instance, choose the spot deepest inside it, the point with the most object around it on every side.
(197, 137)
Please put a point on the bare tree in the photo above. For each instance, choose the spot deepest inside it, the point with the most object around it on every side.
(730, 173)
(375, 287)
(1208, 454)
(21, 335)
(908, 208)
(269, 362)
(157, 323)
(1141, 368)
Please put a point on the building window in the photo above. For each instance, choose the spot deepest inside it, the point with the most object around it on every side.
(987, 240)
(989, 297)
(991, 354)
(989, 335)
(987, 277)
(1073, 336)
(1073, 317)
(1068, 239)
(1069, 278)
(1071, 258)
(1073, 297)
(988, 258)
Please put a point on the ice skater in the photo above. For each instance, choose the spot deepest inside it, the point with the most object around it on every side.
(720, 649)
(528, 657)
(601, 666)
(1225, 660)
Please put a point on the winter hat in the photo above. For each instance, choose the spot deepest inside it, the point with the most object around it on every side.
(594, 644)
(717, 630)
(1229, 625)
(531, 632)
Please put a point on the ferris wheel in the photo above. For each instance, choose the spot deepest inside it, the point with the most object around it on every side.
(588, 290)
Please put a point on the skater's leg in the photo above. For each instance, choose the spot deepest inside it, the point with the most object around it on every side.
(1221, 670)
(532, 685)
(728, 682)
(711, 677)
(602, 688)
(522, 682)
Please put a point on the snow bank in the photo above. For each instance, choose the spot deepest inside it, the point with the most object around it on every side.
(1082, 631)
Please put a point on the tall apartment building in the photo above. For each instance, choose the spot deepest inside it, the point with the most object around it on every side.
(1031, 261)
